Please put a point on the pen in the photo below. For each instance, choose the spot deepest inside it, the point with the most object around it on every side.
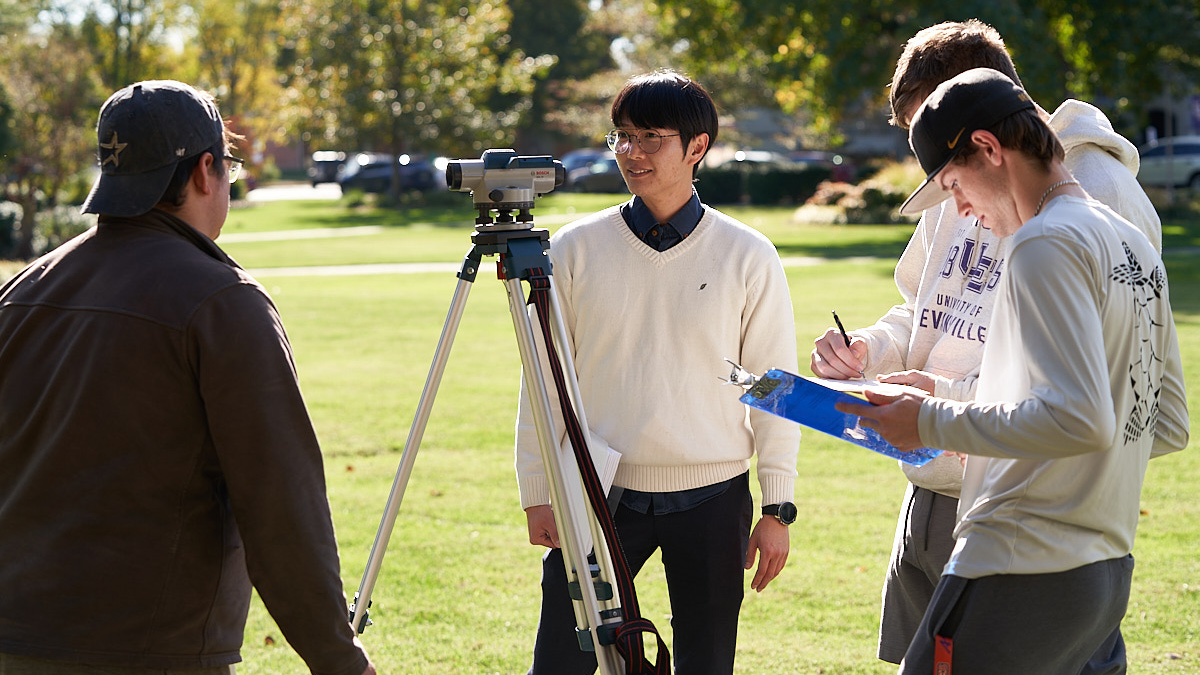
(841, 328)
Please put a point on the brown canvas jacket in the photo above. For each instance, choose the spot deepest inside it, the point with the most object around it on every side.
(156, 458)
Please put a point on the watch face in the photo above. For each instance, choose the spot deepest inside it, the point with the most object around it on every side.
(787, 513)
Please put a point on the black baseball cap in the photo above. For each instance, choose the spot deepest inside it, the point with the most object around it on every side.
(144, 130)
(972, 100)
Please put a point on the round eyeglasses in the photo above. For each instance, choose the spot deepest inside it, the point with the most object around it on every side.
(622, 142)
(235, 167)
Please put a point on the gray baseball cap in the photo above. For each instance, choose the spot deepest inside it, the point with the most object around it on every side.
(942, 126)
(144, 131)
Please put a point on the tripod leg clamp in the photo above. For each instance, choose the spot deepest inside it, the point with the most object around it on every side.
(606, 631)
(604, 590)
(366, 615)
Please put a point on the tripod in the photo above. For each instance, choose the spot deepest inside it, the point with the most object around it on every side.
(522, 252)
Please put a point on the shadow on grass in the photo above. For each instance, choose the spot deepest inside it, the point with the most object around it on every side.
(853, 249)
(324, 215)
(1183, 276)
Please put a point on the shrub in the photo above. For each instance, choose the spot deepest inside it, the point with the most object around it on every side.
(764, 184)
(720, 186)
(1185, 204)
(53, 227)
(10, 215)
(355, 198)
(876, 200)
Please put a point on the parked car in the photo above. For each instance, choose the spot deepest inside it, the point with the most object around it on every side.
(1180, 168)
(840, 168)
(576, 159)
(580, 159)
(754, 158)
(326, 166)
(372, 172)
(602, 175)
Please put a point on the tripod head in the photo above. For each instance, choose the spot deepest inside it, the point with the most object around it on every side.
(503, 181)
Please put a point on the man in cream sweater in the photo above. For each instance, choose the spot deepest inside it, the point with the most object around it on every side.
(655, 293)
(1080, 385)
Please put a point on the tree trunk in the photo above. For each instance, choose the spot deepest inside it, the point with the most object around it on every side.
(29, 206)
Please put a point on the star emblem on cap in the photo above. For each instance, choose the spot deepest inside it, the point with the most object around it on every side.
(116, 146)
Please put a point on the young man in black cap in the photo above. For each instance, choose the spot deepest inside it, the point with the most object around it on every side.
(158, 457)
(948, 278)
(1080, 384)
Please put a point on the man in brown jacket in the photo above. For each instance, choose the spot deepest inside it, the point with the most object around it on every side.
(157, 455)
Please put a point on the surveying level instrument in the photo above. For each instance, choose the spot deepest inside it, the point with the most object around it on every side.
(501, 183)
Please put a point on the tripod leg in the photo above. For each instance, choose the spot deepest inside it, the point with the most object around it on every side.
(404, 471)
(568, 503)
(603, 557)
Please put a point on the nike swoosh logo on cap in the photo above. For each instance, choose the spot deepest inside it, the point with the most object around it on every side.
(951, 144)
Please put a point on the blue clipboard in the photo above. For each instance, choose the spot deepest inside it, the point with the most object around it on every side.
(810, 403)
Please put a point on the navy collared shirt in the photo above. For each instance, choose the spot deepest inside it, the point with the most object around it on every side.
(662, 236)
(662, 503)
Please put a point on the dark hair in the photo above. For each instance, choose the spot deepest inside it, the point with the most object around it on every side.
(1024, 131)
(666, 99)
(176, 192)
(937, 54)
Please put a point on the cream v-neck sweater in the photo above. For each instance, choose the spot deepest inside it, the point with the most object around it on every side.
(649, 333)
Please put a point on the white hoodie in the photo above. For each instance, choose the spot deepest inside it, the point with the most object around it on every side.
(949, 274)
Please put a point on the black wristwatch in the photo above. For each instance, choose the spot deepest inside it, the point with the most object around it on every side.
(784, 513)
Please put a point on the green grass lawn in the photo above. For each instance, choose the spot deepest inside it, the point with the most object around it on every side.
(428, 235)
(458, 591)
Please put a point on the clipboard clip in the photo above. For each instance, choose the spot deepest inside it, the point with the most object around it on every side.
(740, 377)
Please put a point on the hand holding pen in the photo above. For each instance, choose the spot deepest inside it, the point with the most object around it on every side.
(841, 328)
(836, 355)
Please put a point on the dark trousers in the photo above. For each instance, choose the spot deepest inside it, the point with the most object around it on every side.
(1065, 623)
(703, 555)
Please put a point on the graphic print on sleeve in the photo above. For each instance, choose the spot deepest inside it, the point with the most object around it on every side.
(1146, 289)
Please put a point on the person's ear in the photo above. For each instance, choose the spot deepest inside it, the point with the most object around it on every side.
(203, 180)
(989, 146)
(697, 148)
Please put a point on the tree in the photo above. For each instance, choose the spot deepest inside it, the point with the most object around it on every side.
(405, 75)
(127, 40)
(826, 58)
(560, 28)
(619, 39)
(52, 126)
(234, 46)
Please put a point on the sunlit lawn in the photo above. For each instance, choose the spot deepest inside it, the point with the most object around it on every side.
(458, 590)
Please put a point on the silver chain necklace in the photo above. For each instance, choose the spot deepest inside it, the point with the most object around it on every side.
(1050, 189)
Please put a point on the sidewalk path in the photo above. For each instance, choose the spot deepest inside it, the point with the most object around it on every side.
(357, 231)
(360, 231)
(451, 267)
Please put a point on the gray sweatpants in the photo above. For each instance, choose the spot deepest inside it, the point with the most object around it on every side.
(1034, 624)
(923, 544)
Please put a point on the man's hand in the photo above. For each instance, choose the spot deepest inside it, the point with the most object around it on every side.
(894, 417)
(542, 529)
(913, 378)
(831, 357)
(770, 538)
